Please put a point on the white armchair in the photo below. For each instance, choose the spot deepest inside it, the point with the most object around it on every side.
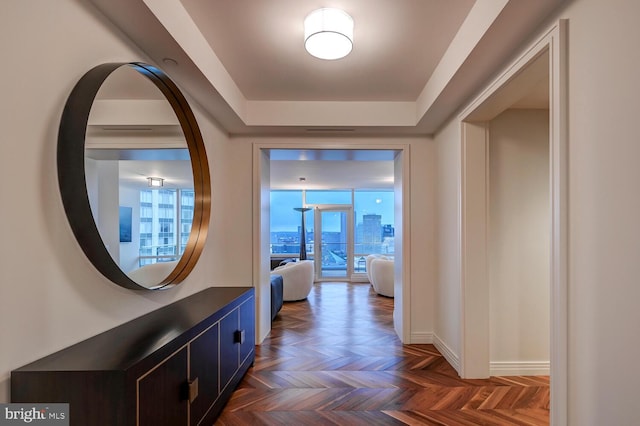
(382, 273)
(151, 275)
(297, 279)
(368, 260)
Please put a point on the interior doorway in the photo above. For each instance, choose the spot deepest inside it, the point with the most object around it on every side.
(481, 232)
(518, 235)
(399, 157)
(546, 59)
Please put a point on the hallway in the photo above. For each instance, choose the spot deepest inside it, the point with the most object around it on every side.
(334, 359)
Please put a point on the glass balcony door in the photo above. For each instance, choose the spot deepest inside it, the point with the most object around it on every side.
(333, 242)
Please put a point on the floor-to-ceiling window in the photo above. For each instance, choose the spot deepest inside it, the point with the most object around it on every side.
(286, 223)
(373, 210)
(341, 228)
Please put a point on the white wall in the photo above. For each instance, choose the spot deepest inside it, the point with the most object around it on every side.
(519, 242)
(604, 206)
(50, 295)
(447, 326)
(130, 252)
(422, 239)
(108, 219)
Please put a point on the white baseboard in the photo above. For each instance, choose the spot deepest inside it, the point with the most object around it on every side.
(508, 368)
(447, 353)
(422, 338)
(520, 368)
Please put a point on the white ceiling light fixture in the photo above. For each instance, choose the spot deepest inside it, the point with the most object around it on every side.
(155, 182)
(328, 33)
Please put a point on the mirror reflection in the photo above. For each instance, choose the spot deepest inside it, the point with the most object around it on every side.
(139, 177)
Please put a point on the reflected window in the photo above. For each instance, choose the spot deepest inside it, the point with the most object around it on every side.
(166, 218)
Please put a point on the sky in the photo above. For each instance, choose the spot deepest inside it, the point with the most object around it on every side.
(284, 218)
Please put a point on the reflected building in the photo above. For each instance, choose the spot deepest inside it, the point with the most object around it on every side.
(166, 218)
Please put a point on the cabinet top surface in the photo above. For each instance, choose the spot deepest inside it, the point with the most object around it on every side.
(126, 345)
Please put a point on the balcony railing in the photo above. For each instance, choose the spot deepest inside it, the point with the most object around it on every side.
(359, 248)
(159, 253)
(335, 262)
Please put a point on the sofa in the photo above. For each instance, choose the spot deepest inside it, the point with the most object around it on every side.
(297, 279)
(276, 295)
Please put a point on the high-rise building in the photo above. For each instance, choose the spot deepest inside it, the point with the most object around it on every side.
(371, 232)
(166, 217)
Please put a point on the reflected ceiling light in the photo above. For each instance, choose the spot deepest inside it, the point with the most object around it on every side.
(155, 182)
(328, 33)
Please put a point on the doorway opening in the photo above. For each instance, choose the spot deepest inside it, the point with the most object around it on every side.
(346, 206)
(543, 65)
(336, 254)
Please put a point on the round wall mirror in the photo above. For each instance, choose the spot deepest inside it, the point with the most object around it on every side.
(134, 175)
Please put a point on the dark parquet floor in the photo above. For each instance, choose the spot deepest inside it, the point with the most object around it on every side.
(334, 359)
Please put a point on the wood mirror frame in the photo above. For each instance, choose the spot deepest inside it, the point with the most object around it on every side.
(72, 179)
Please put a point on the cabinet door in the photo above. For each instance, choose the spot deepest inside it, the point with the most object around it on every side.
(247, 324)
(229, 349)
(204, 369)
(161, 393)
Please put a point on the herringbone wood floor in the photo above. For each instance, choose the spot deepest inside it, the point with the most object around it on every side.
(334, 359)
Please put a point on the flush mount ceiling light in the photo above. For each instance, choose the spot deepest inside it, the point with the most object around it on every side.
(328, 33)
(155, 182)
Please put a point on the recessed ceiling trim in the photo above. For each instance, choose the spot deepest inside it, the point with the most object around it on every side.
(282, 154)
(474, 27)
(174, 34)
(330, 114)
(330, 129)
(177, 22)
